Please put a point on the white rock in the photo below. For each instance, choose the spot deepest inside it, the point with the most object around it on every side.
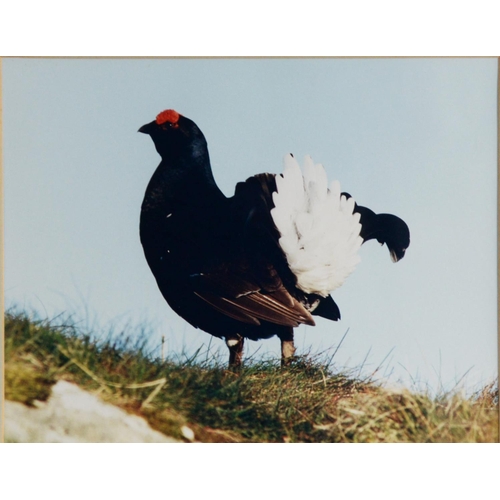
(187, 432)
(72, 415)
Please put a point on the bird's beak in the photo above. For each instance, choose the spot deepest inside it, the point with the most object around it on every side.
(148, 128)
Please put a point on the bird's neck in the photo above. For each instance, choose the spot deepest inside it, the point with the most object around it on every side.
(181, 180)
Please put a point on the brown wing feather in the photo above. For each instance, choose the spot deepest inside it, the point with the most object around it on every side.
(228, 309)
(244, 302)
(269, 307)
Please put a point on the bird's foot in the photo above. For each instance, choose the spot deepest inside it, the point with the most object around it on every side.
(235, 345)
(287, 352)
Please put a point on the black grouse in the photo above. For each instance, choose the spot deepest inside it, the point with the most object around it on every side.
(261, 262)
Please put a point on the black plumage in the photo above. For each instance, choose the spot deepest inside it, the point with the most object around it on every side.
(217, 260)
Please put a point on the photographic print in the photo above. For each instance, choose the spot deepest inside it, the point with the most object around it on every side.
(272, 250)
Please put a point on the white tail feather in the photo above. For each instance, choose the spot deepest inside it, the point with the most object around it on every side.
(319, 232)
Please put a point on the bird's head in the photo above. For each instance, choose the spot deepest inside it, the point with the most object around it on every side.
(175, 135)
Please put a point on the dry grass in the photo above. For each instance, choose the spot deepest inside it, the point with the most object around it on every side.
(304, 402)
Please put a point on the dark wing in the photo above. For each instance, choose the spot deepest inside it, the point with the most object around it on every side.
(244, 301)
(249, 286)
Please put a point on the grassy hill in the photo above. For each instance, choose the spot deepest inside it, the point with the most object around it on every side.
(304, 402)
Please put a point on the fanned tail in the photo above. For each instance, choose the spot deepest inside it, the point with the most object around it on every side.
(320, 234)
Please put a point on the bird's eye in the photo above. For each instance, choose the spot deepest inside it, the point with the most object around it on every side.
(168, 125)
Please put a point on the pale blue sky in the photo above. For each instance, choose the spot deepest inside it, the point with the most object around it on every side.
(413, 137)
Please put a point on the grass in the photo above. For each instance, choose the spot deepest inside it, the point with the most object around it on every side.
(303, 402)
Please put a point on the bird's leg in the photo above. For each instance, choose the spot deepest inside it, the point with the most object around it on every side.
(287, 347)
(235, 345)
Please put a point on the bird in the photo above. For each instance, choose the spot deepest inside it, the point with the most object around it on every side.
(261, 262)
